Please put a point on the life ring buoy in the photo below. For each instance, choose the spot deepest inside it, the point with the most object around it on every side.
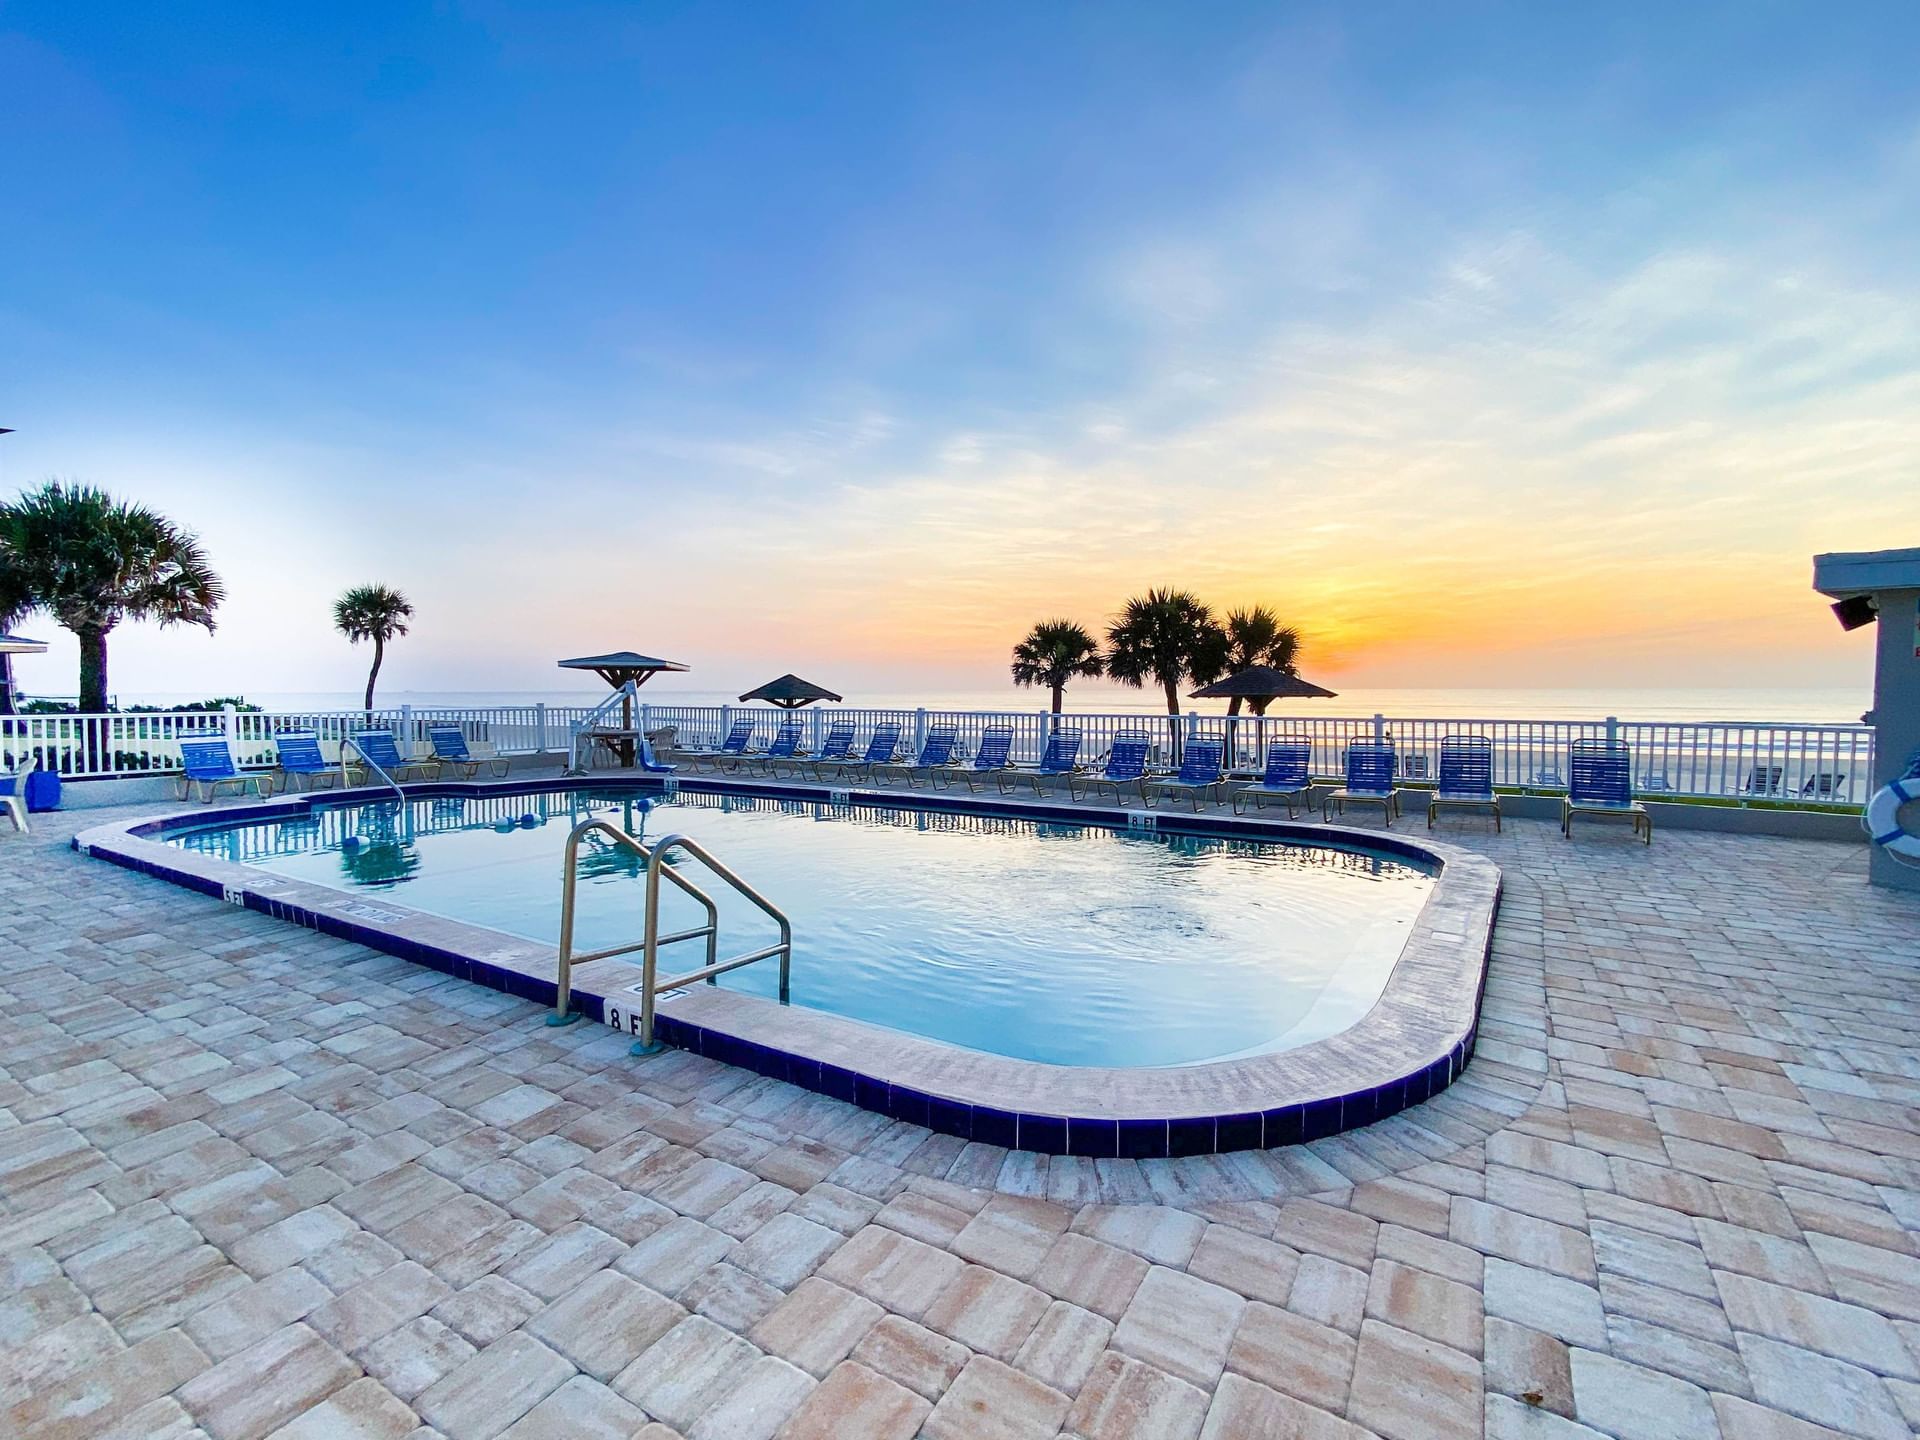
(1883, 816)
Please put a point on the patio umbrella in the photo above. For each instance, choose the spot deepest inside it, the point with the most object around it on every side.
(790, 692)
(1260, 686)
(621, 666)
(617, 669)
(11, 645)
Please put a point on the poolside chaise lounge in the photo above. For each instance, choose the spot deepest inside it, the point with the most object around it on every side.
(834, 750)
(735, 744)
(1060, 760)
(1285, 778)
(747, 756)
(1200, 773)
(207, 761)
(1823, 785)
(297, 756)
(378, 747)
(936, 753)
(1126, 769)
(880, 747)
(1370, 773)
(991, 758)
(1600, 782)
(13, 791)
(450, 750)
(785, 746)
(1466, 778)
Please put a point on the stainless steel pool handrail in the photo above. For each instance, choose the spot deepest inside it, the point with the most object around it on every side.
(371, 764)
(569, 892)
(650, 983)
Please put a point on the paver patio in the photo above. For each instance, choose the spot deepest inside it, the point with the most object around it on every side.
(254, 1181)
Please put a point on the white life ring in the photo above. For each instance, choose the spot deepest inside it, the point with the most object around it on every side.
(1883, 817)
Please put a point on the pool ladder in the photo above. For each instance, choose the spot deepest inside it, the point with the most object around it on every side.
(651, 986)
(373, 767)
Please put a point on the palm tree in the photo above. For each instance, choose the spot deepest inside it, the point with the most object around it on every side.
(91, 561)
(372, 612)
(1163, 638)
(1256, 637)
(1054, 653)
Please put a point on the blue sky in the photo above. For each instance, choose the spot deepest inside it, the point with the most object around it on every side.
(1491, 344)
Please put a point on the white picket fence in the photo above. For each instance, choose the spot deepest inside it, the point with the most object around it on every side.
(1727, 759)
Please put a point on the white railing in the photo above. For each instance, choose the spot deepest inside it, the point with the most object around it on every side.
(1734, 760)
(1722, 759)
(89, 747)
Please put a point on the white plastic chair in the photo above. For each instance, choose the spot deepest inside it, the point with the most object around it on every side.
(13, 792)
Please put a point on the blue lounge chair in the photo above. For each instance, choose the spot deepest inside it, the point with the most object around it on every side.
(788, 738)
(1285, 778)
(378, 746)
(936, 753)
(297, 756)
(13, 791)
(1126, 769)
(880, 747)
(1369, 781)
(207, 761)
(1824, 786)
(834, 750)
(735, 744)
(1200, 773)
(991, 758)
(786, 745)
(1466, 777)
(1600, 782)
(450, 750)
(1060, 760)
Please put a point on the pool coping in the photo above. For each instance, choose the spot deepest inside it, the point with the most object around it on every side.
(1408, 1047)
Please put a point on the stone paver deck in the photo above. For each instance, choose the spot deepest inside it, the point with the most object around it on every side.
(255, 1182)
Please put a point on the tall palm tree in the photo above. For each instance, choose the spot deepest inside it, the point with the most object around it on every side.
(1163, 638)
(1256, 637)
(1055, 653)
(372, 612)
(91, 561)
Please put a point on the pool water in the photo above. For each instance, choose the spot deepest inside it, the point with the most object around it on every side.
(1067, 944)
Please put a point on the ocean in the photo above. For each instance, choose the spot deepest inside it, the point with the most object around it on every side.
(1777, 705)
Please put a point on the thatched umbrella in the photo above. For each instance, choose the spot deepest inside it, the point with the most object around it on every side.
(790, 692)
(617, 669)
(1260, 686)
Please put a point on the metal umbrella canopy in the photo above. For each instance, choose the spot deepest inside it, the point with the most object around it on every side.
(1259, 686)
(790, 692)
(621, 666)
(11, 645)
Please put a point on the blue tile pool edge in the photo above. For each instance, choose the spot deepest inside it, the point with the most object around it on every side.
(137, 846)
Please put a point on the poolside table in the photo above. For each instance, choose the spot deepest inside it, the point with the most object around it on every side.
(622, 742)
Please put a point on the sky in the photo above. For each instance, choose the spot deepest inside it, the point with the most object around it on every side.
(1490, 345)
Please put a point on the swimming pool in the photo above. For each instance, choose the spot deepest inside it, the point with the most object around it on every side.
(1066, 944)
(1029, 974)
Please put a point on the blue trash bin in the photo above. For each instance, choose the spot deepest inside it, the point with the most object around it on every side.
(43, 790)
